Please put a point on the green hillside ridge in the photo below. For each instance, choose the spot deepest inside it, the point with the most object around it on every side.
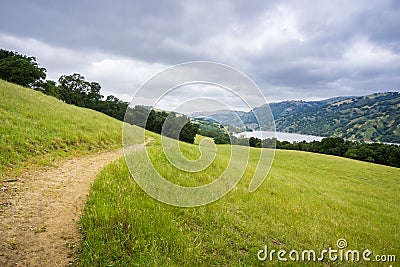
(373, 117)
(280, 109)
(38, 129)
(308, 201)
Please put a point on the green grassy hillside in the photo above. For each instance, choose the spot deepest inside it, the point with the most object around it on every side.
(308, 201)
(38, 129)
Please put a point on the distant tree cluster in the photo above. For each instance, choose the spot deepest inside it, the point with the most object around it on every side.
(72, 89)
(169, 124)
(213, 129)
(20, 69)
(379, 153)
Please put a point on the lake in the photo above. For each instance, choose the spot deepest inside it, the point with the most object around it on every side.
(291, 137)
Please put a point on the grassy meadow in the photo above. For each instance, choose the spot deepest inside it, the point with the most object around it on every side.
(36, 129)
(308, 201)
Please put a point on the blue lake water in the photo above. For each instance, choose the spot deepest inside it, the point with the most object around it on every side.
(291, 137)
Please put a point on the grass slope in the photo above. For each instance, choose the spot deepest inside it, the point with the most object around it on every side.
(308, 201)
(37, 129)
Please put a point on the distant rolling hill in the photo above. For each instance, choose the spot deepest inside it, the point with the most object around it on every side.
(373, 117)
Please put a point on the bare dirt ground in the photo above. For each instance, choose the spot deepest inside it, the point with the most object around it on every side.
(39, 211)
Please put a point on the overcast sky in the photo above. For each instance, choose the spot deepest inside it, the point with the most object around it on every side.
(291, 49)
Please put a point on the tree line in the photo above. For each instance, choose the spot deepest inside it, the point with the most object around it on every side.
(74, 89)
(20, 69)
(171, 124)
(385, 154)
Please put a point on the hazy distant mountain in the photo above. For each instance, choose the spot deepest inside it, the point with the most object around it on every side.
(373, 117)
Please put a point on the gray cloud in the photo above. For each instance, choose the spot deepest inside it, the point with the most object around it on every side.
(292, 49)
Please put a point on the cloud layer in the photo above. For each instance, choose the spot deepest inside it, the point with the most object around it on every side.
(291, 49)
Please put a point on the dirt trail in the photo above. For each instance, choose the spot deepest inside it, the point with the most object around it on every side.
(39, 211)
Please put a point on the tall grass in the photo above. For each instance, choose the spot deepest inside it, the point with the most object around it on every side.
(38, 129)
(308, 201)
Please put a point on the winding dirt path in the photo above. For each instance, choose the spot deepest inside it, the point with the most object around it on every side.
(39, 211)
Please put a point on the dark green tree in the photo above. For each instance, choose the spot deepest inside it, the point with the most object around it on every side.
(5, 54)
(254, 142)
(113, 107)
(47, 87)
(20, 69)
(188, 132)
(93, 95)
(394, 156)
(73, 89)
(137, 115)
(361, 152)
(222, 139)
(333, 146)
